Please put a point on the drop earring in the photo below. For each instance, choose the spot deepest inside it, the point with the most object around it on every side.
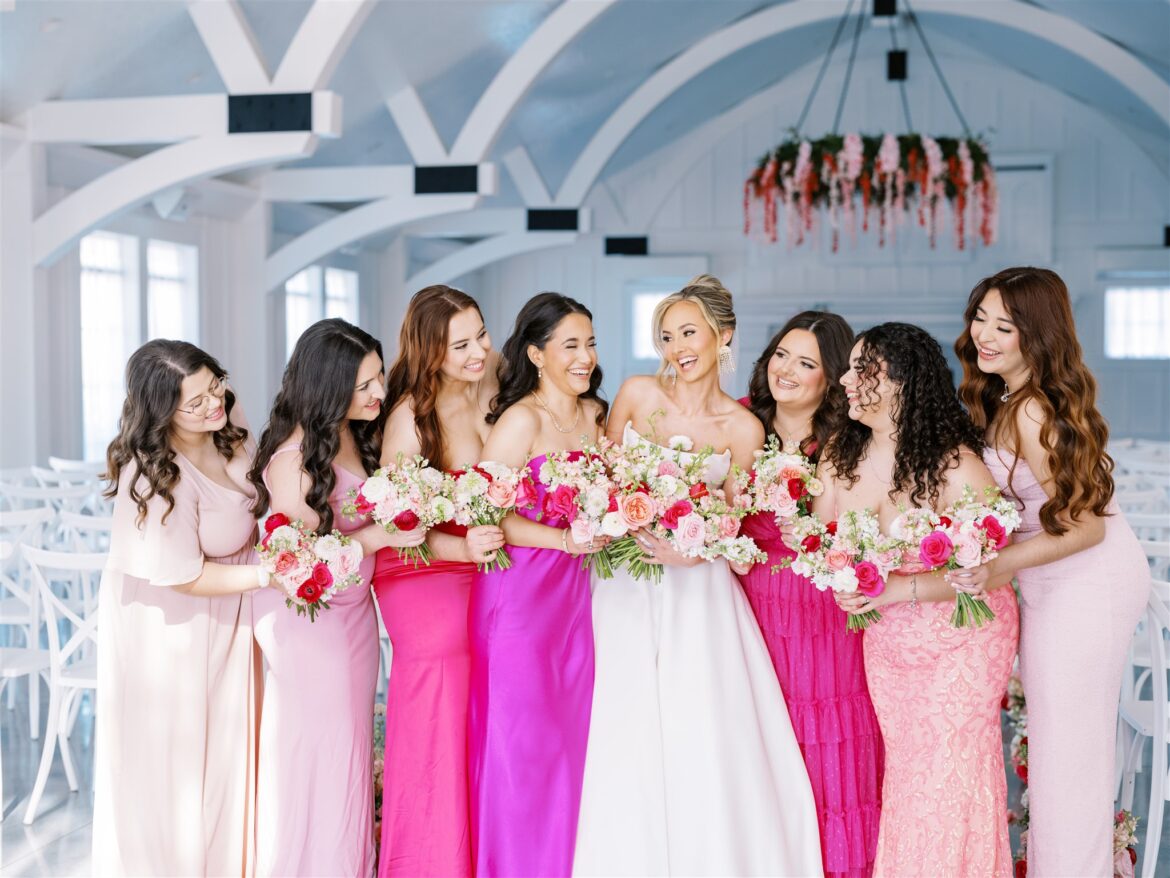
(726, 360)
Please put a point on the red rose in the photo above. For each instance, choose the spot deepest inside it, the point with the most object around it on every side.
(671, 516)
(1022, 773)
(796, 489)
(936, 549)
(1132, 856)
(321, 575)
(309, 591)
(811, 543)
(613, 503)
(406, 520)
(831, 528)
(995, 531)
(751, 477)
(456, 473)
(698, 492)
(1003, 702)
(483, 472)
(944, 521)
(275, 520)
(364, 506)
(1021, 869)
(869, 580)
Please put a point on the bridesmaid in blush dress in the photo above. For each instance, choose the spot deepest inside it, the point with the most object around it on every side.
(936, 689)
(439, 389)
(796, 393)
(1084, 580)
(530, 627)
(175, 745)
(315, 797)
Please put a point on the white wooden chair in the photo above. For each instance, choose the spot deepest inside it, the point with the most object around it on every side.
(14, 664)
(1149, 500)
(19, 603)
(84, 533)
(71, 497)
(50, 478)
(1150, 525)
(1143, 718)
(72, 658)
(1158, 556)
(66, 465)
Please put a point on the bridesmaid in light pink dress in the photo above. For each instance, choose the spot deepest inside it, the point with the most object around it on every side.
(1084, 580)
(936, 689)
(315, 796)
(175, 744)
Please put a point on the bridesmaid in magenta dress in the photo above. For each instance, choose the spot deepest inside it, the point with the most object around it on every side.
(530, 626)
(439, 389)
(315, 798)
(1084, 580)
(796, 393)
(936, 689)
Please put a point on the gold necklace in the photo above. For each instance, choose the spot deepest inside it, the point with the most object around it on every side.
(791, 446)
(553, 418)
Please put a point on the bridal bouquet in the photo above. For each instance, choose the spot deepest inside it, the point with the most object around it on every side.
(485, 494)
(403, 497)
(783, 483)
(309, 567)
(581, 494)
(966, 534)
(848, 555)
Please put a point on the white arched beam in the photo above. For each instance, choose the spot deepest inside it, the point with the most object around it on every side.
(476, 256)
(59, 227)
(1026, 18)
(233, 48)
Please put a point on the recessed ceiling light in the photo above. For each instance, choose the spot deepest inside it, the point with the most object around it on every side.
(51, 24)
(194, 78)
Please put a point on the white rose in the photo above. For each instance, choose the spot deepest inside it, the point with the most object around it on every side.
(375, 488)
(442, 509)
(845, 580)
(680, 443)
(668, 486)
(328, 548)
(284, 534)
(613, 525)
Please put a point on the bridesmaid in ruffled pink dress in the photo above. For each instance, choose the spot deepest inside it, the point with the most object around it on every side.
(1084, 580)
(936, 689)
(315, 797)
(795, 392)
(439, 390)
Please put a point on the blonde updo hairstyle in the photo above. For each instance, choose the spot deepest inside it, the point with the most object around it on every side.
(713, 301)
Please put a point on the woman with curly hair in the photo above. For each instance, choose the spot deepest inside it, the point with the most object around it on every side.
(438, 394)
(176, 735)
(796, 393)
(315, 796)
(1083, 576)
(936, 689)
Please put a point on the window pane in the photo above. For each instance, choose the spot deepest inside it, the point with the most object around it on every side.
(1137, 323)
(302, 305)
(642, 324)
(172, 304)
(109, 333)
(341, 294)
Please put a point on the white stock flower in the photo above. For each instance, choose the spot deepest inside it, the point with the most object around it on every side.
(845, 580)
(680, 443)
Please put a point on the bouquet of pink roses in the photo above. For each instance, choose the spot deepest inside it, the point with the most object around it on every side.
(848, 555)
(783, 483)
(402, 497)
(485, 494)
(580, 493)
(966, 534)
(311, 568)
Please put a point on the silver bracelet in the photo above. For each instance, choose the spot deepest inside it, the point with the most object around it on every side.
(914, 591)
(565, 541)
(263, 577)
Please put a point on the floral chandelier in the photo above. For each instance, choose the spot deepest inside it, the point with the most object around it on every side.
(894, 177)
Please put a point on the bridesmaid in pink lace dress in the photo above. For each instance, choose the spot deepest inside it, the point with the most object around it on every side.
(315, 797)
(438, 391)
(795, 391)
(936, 689)
(1084, 580)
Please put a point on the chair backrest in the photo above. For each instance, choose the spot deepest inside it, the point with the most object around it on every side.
(66, 465)
(71, 497)
(1149, 525)
(1149, 500)
(85, 533)
(50, 477)
(21, 527)
(79, 615)
(1158, 555)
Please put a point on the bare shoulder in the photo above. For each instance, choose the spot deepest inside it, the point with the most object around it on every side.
(969, 470)
(400, 434)
(1030, 422)
(639, 396)
(744, 423)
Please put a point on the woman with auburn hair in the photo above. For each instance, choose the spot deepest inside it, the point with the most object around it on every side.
(315, 795)
(439, 391)
(175, 748)
(796, 393)
(1084, 580)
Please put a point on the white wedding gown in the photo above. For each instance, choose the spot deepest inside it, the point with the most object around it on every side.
(692, 766)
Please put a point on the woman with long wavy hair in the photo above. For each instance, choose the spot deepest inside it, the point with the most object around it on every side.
(936, 688)
(438, 394)
(796, 393)
(175, 743)
(315, 797)
(529, 625)
(1084, 580)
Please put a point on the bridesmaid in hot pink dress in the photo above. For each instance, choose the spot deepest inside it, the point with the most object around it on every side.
(315, 798)
(936, 689)
(530, 626)
(438, 390)
(795, 391)
(1084, 580)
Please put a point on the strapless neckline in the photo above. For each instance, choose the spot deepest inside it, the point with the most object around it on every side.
(690, 455)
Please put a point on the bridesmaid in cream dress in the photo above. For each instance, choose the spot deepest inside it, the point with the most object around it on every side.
(175, 750)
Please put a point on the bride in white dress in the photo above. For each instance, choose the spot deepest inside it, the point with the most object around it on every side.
(692, 766)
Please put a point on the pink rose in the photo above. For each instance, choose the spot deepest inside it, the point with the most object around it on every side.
(501, 495)
(995, 531)
(869, 580)
(285, 563)
(690, 534)
(935, 549)
(321, 575)
(582, 532)
(561, 503)
(525, 493)
(837, 559)
(790, 472)
(669, 468)
(346, 564)
(728, 527)
(968, 550)
(671, 516)
(637, 509)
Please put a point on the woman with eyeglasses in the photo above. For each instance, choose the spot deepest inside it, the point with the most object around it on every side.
(175, 747)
